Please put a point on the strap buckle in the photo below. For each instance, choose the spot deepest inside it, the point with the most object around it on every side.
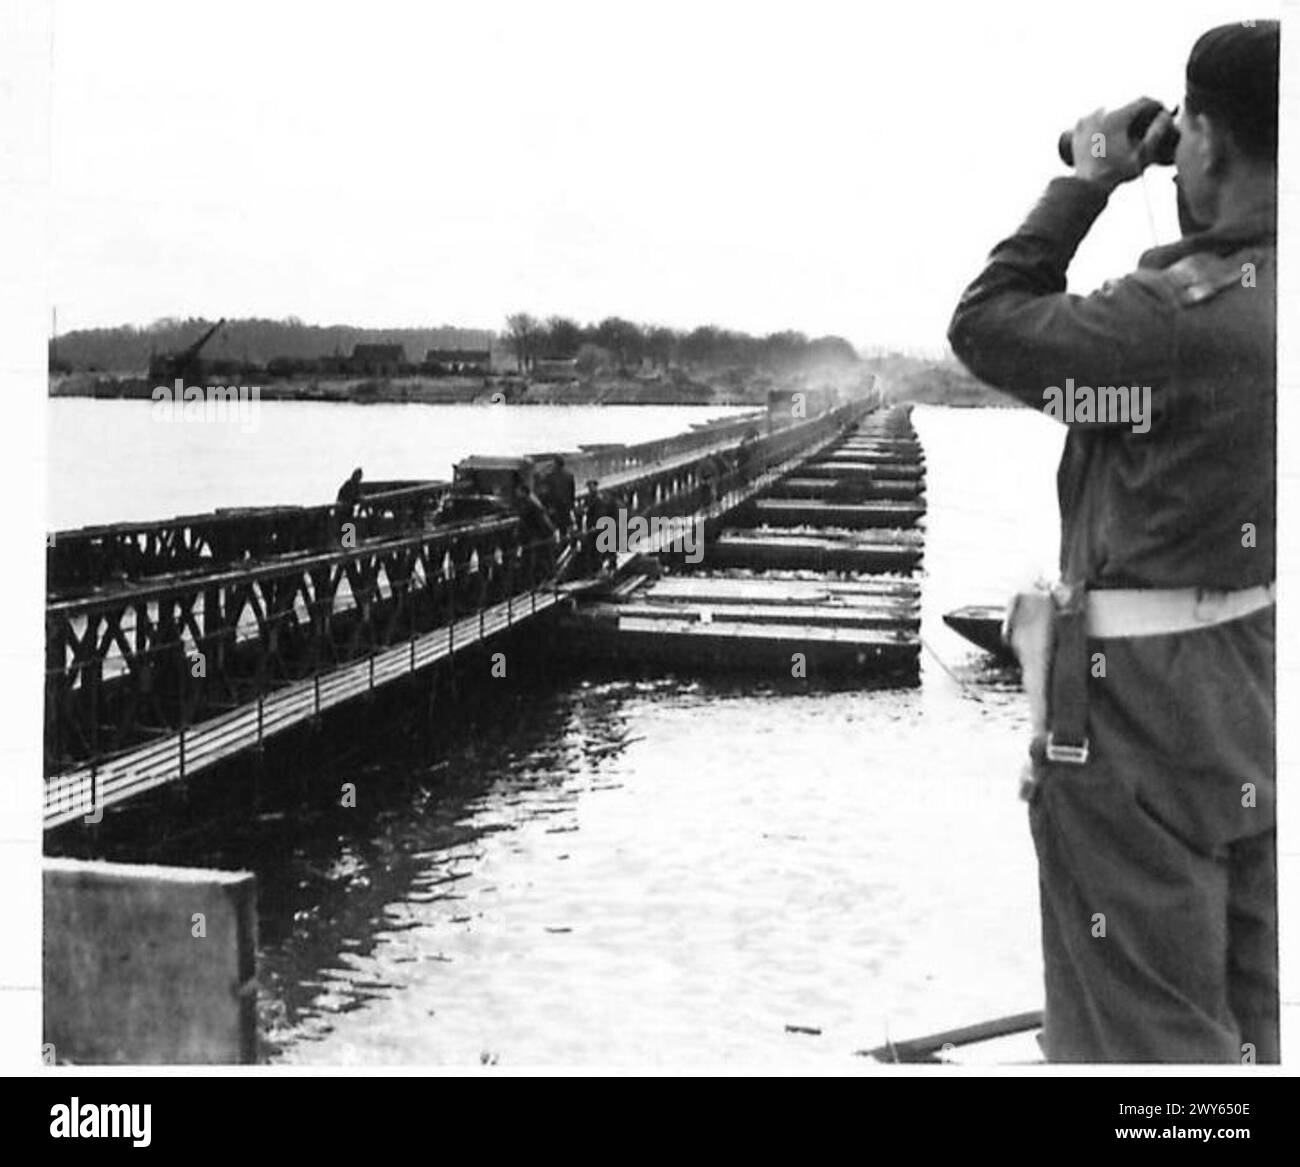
(1062, 752)
(1209, 605)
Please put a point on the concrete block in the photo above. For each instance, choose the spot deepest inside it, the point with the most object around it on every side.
(149, 965)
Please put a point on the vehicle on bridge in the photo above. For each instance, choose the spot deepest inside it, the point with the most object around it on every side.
(484, 485)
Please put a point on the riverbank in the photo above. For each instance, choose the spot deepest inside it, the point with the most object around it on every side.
(904, 380)
(670, 388)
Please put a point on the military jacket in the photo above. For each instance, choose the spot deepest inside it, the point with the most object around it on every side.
(1166, 379)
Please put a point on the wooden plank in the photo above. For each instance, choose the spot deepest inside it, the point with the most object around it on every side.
(818, 553)
(794, 512)
(874, 466)
(878, 441)
(769, 633)
(776, 589)
(719, 649)
(875, 454)
(869, 452)
(820, 557)
(856, 472)
(850, 488)
(898, 616)
(879, 536)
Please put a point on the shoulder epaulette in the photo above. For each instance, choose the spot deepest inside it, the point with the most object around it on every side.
(1203, 275)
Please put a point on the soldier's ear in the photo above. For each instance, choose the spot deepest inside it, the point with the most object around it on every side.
(1213, 144)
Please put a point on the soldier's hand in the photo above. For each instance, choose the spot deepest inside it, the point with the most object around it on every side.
(1103, 152)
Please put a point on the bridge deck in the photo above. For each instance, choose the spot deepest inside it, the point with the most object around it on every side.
(81, 792)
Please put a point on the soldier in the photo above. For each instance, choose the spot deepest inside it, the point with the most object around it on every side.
(745, 454)
(561, 491)
(345, 504)
(537, 531)
(1152, 810)
(601, 512)
(349, 494)
(709, 475)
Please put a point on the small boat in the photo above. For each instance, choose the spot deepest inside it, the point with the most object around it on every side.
(981, 624)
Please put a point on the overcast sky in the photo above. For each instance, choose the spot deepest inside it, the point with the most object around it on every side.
(831, 167)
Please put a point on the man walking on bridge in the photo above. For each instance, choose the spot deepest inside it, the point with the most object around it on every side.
(345, 502)
(601, 507)
(1152, 809)
(561, 491)
(536, 529)
(349, 493)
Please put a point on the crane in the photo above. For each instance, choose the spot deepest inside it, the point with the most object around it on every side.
(185, 363)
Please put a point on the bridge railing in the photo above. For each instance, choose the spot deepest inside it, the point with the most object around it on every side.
(126, 665)
(89, 557)
(609, 459)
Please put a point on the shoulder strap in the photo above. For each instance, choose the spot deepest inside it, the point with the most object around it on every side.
(1203, 275)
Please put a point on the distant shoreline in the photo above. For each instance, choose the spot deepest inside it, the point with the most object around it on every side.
(455, 390)
(904, 381)
(977, 397)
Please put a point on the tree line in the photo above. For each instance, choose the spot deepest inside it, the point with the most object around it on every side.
(613, 344)
(246, 342)
(625, 345)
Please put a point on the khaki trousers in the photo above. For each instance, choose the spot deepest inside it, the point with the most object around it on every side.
(1157, 859)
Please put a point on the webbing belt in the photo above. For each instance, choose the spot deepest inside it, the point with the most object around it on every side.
(1125, 614)
(1067, 738)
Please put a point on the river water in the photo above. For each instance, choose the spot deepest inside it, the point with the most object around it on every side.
(660, 872)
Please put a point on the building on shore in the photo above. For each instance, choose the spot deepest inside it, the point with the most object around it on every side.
(378, 359)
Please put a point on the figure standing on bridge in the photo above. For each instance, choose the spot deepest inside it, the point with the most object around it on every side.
(560, 494)
(345, 502)
(746, 453)
(715, 472)
(601, 510)
(349, 494)
(536, 529)
(1152, 795)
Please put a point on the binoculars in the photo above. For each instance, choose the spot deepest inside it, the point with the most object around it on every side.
(1165, 145)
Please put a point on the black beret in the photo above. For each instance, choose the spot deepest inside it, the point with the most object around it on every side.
(1236, 66)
